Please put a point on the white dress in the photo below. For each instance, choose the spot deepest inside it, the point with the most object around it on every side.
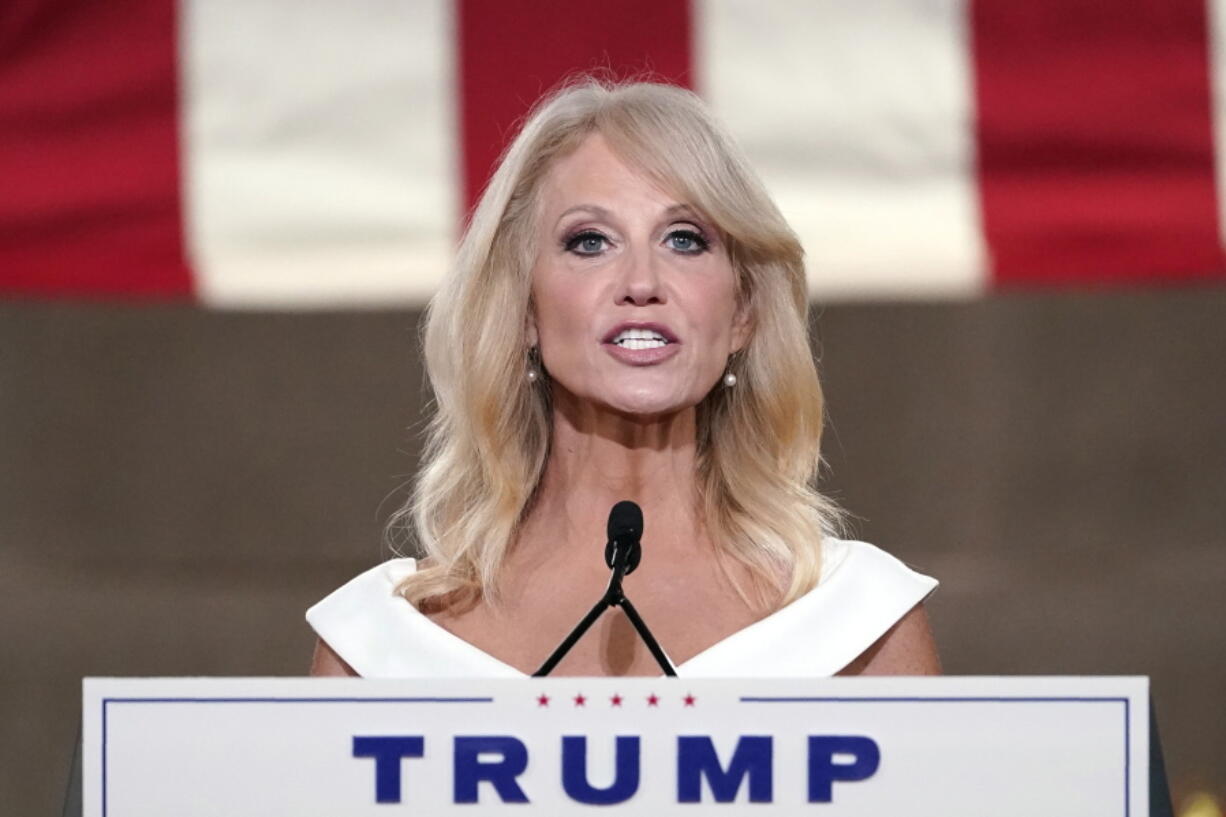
(862, 593)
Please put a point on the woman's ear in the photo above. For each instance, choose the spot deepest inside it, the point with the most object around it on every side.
(530, 337)
(742, 326)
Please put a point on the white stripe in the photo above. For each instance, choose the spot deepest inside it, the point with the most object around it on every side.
(319, 150)
(859, 117)
(1217, 79)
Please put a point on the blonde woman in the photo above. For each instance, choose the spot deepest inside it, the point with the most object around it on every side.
(627, 319)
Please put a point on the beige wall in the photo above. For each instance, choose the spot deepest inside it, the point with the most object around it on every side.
(177, 485)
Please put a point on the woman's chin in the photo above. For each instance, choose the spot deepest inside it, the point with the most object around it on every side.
(643, 404)
(648, 406)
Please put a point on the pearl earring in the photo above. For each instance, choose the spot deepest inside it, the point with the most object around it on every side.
(730, 380)
(533, 373)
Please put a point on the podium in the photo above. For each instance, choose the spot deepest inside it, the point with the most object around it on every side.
(944, 746)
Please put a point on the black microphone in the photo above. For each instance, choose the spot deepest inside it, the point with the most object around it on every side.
(622, 554)
(625, 530)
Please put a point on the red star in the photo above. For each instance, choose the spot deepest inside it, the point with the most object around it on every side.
(689, 699)
(653, 700)
(542, 700)
(616, 699)
(580, 700)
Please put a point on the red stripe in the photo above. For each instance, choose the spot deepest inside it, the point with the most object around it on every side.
(89, 180)
(511, 53)
(1095, 140)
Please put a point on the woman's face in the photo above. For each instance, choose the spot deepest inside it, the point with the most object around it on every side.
(635, 308)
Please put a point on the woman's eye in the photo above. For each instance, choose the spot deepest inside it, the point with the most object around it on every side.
(588, 243)
(686, 241)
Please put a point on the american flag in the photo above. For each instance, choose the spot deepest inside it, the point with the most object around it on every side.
(283, 153)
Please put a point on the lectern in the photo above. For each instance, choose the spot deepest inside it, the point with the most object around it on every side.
(648, 746)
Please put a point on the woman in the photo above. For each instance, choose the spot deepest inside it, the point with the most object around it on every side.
(627, 320)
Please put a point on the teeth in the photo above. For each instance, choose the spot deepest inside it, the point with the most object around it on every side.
(639, 339)
(641, 344)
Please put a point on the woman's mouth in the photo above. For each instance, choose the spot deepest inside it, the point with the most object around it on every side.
(641, 345)
(640, 339)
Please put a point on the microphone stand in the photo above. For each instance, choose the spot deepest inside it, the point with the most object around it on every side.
(613, 597)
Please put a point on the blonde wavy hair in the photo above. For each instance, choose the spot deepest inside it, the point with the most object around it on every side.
(488, 441)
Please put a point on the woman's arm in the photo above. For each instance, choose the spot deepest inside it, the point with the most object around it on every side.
(907, 648)
(325, 662)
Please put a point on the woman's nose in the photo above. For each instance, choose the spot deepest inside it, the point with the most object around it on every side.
(640, 284)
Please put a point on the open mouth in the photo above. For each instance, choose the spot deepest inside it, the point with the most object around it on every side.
(640, 339)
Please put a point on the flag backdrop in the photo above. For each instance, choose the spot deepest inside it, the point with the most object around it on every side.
(282, 153)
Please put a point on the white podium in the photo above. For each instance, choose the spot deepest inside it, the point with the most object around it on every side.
(946, 746)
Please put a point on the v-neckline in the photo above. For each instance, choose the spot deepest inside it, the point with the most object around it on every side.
(767, 620)
(862, 593)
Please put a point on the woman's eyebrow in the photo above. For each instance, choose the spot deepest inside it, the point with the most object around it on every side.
(672, 211)
(684, 211)
(594, 209)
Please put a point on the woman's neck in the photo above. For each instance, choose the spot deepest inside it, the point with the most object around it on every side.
(598, 458)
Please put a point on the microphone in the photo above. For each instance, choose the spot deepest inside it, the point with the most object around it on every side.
(622, 553)
(625, 529)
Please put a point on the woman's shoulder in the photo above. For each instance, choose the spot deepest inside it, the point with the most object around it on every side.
(378, 581)
(854, 561)
(862, 594)
(906, 646)
(372, 628)
(861, 577)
